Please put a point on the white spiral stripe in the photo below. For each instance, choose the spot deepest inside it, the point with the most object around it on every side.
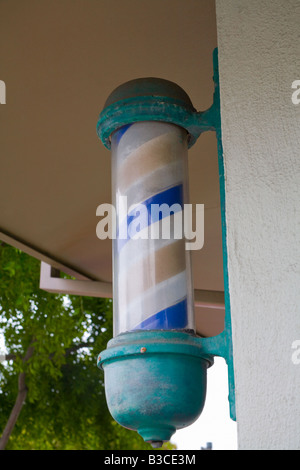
(155, 299)
(143, 246)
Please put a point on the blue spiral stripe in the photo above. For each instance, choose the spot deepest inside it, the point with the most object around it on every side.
(121, 132)
(171, 318)
(170, 196)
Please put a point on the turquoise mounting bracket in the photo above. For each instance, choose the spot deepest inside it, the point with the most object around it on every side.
(220, 345)
(161, 100)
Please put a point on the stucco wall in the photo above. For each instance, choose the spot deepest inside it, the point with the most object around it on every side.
(259, 58)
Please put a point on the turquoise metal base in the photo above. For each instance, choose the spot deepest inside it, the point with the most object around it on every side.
(155, 381)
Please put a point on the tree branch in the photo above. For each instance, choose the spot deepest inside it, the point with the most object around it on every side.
(7, 357)
(22, 393)
(22, 390)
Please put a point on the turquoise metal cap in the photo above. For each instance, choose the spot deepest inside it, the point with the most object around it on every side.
(151, 99)
(149, 86)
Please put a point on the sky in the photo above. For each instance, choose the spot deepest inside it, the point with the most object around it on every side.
(214, 425)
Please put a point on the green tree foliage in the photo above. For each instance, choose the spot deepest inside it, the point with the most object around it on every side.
(52, 344)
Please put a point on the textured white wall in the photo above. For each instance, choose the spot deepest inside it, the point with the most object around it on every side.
(259, 56)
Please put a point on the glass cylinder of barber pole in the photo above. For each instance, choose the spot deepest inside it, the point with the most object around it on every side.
(152, 279)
